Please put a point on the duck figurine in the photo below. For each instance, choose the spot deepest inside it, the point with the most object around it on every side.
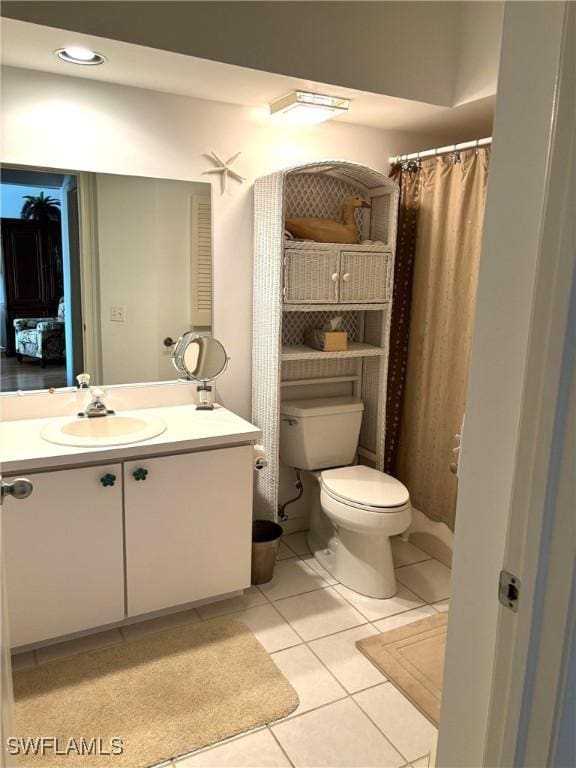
(326, 230)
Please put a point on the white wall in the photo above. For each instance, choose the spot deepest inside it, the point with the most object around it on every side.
(69, 123)
(478, 50)
(144, 260)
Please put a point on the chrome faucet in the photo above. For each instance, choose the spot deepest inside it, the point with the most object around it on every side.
(96, 407)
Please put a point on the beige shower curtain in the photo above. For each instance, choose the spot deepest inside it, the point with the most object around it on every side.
(450, 214)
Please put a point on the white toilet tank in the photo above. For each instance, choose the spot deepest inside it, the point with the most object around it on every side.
(321, 432)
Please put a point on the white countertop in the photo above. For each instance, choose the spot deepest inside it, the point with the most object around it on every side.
(23, 449)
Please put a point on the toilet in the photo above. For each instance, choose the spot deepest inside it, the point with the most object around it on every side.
(357, 508)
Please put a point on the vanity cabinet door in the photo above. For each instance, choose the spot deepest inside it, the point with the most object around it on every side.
(364, 277)
(64, 555)
(188, 527)
(310, 276)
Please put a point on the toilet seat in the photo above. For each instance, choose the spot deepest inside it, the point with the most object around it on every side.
(365, 488)
(366, 507)
(372, 522)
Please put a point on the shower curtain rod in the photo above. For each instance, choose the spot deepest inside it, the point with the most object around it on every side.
(442, 150)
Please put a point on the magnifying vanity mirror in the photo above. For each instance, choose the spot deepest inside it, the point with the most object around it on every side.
(98, 272)
(201, 359)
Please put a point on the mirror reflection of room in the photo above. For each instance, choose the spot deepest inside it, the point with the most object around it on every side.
(100, 272)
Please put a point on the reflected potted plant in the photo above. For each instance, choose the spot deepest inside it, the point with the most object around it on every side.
(41, 208)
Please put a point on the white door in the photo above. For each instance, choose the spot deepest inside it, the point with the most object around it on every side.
(64, 554)
(504, 670)
(19, 490)
(188, 527)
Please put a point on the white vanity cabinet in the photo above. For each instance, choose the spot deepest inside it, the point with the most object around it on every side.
(64, 554)
(113, 532)
(188, 527)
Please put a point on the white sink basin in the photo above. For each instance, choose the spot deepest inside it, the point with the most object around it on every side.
(103, 430)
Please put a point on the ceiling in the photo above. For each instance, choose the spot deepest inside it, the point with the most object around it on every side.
(27, 178)
(31, 46)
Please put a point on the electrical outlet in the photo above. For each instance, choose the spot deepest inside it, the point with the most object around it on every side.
(118, 313)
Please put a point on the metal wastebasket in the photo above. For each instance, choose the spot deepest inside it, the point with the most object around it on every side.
(265, 544)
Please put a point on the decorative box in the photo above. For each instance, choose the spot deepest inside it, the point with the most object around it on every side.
(327, 341)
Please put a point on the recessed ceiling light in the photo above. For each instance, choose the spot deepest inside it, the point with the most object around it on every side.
(76, 54)
(308, 108)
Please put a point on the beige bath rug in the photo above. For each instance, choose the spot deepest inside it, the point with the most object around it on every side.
(412, 657)
(162, 695)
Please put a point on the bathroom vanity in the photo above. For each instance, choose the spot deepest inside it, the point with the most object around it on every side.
(110, 533)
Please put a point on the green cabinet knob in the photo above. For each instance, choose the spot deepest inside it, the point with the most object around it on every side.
(140, 474)
(108, 479)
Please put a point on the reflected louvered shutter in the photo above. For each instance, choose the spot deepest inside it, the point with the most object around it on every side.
(201, 238)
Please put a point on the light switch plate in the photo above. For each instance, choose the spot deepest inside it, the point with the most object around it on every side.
(118, 313)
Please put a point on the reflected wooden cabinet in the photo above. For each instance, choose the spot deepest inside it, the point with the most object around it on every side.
(32, 262)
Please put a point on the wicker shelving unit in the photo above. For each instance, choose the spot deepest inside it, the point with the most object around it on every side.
(301, 285)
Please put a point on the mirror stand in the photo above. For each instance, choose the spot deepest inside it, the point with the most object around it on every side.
(202, 359)
(204, 392)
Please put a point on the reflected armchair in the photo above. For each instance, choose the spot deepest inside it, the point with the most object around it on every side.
(41, 337)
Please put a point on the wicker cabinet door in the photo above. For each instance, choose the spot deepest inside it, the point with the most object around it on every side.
(364, 277)
(311, 276)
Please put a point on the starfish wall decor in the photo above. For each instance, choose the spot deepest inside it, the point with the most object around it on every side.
(224, 168)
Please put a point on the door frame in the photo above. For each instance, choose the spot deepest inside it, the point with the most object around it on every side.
(89, 273)
(506, 671)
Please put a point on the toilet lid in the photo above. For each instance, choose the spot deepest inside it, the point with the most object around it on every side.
(365, 486)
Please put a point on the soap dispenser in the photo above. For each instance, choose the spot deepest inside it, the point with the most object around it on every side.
(83, 392)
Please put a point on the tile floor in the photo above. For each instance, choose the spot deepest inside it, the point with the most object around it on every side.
(349, 716)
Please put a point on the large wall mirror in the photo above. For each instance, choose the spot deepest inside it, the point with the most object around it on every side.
(99, 273)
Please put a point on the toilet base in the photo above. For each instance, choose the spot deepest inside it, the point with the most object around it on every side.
(359, 560)
(362, 564)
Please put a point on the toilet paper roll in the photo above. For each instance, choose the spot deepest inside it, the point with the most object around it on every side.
(260, 460)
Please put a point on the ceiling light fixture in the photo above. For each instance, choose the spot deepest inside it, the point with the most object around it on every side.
(76, 54)
(308, 108)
